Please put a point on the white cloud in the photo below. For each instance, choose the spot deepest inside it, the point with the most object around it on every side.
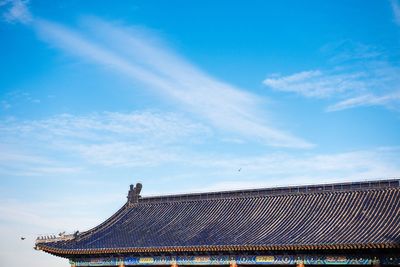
(46, 217)
(367, 100)
(17, 98)
(211, 172)
(137, 55)
(106, 139)
(347, 51)
(163, 127)
(149, 139)
(17, 11)
(316, 83)
(121, 154)
(15, 160)
(396, 10)
(355, 81)
(305, 168)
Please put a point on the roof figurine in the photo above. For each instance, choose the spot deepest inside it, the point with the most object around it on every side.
(134, 193)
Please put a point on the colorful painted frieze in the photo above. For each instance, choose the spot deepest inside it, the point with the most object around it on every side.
(225, 260)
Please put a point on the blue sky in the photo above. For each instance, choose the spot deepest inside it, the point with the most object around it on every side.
(180, 95)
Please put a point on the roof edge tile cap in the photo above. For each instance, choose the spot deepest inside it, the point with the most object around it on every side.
(134, 193)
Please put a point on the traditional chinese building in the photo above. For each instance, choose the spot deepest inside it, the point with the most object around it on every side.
(333, 224)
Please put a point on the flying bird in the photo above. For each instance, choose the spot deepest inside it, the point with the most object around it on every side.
(239, 169)
(22, 238)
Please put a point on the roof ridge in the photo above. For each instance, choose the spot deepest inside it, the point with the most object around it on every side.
(281, 190)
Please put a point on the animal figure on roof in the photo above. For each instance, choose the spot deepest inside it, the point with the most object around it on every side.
(134, 193)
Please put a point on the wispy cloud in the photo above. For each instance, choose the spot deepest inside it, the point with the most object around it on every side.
(286, 169)
(345, 165)
(349, 51)
(367, 100)
(141, 56)
(281, 169)
(136, 54)
(51, 216)
(17, 11)
(106, 139)
(103, 126)
(149, 139)
(396, 10)
(361, 76)
(316, 83)
(14, 160)
(17, 98)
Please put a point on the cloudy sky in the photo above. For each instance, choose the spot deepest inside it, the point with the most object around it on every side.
(180, 95)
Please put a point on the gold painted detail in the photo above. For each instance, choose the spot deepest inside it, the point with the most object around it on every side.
(146, 260)
(265, 259)
(202, 259)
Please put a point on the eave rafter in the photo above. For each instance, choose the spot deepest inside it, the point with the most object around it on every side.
(59, 251)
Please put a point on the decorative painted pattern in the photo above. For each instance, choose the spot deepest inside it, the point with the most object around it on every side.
(226, 260)
(391, 261)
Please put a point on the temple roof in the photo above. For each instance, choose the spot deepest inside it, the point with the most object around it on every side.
(358, 215)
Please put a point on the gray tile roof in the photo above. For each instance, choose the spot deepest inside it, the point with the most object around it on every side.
(339, 216)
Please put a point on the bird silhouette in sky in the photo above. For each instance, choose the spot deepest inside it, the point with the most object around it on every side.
(22, 238)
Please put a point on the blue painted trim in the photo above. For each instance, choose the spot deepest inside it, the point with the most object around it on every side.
(226, 260)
